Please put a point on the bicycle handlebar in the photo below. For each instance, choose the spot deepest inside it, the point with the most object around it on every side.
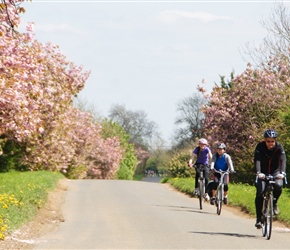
(223, 172)
(270, 178)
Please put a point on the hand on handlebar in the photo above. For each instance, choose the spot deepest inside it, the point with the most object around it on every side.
(261, 176)
(280, 176)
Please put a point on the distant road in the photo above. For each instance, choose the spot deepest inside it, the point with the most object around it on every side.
(112, 214)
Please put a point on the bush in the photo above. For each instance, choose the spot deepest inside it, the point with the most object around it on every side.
(178, 166)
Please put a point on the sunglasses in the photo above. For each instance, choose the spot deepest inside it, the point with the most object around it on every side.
(270, 141)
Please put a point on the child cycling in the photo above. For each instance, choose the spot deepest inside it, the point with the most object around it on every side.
(221, 161)
(203, 155)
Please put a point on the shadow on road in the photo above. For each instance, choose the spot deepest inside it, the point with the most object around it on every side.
(226, 234)
(185, 209)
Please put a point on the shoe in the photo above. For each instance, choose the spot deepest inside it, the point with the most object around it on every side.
(258, 225)
(212, 201)
(206, 197)
(226, 200)
(276, 209)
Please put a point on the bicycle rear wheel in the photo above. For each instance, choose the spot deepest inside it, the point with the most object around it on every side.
(269, 217)
(201, 192)
(219, 199)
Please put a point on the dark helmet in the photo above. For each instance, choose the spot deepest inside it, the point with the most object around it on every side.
(270, 133)
(221, 145)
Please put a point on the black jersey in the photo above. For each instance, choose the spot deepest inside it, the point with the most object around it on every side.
(272, 160)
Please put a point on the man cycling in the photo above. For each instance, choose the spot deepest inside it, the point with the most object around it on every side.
(269, 158)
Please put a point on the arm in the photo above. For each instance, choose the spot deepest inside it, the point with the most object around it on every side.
(230, 163)
(191, 159)
(213, 159)
(257, 160)
(209, 157)
(282, 160)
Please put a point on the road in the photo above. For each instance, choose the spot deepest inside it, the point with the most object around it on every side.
(112, 214)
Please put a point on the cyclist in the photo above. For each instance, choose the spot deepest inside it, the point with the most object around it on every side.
(221, 161)
(269, 158)
(203, 156)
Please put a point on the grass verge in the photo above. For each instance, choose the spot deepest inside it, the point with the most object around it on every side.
(21, 195)
(240, 195)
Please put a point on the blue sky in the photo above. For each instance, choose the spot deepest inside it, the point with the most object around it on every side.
(149, 55)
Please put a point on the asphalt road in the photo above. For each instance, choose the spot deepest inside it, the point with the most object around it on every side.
(112, 214)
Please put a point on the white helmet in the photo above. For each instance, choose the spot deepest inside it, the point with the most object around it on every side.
(202, 141)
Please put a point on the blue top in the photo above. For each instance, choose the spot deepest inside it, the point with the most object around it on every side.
(202, 157)
(223, 162)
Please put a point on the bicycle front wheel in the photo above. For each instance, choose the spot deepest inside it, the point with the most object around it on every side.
(269, 217)
(219, 199)
(201, 193)
(264, 217)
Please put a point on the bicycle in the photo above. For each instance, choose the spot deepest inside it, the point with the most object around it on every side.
(201, 184)
(267, 208)
(219, 197)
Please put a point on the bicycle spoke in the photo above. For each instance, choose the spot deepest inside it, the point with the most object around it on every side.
(264, 218)
(200, 194)
(269, 216)
(219, 200)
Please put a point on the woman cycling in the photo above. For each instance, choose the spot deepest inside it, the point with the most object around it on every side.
(203, 155)
(221, 161)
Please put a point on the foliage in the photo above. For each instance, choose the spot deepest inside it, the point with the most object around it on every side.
(178, 166)
(276, 43)
(239, 115)
(75, 172)
(11, 154)
(189, 119)
(129, 160)
(135, 124)
(39, 126)
(159, 157)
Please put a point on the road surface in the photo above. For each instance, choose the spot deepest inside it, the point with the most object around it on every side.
(115, 214)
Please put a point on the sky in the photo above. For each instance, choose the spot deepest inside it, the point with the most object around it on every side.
(150, 55)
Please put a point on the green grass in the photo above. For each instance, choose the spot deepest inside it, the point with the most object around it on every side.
(21, 195)
(138, 177)
(240, 195)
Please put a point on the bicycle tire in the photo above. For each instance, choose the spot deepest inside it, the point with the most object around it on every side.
(264, 217)
(201, 193)
(269, 217)
(219, 199)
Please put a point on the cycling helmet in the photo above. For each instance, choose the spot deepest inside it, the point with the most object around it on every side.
(221, 145)
(270, 133)
(202, 141)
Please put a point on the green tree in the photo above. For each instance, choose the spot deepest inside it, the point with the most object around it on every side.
(129, 160)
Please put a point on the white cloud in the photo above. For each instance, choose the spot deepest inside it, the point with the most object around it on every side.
(170, 16)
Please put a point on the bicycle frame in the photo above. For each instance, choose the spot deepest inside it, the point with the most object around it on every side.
(220, 190)
(267, 209)
(201, 183)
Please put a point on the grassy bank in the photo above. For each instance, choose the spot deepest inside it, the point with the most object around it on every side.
(240, 195)
(21, 195)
